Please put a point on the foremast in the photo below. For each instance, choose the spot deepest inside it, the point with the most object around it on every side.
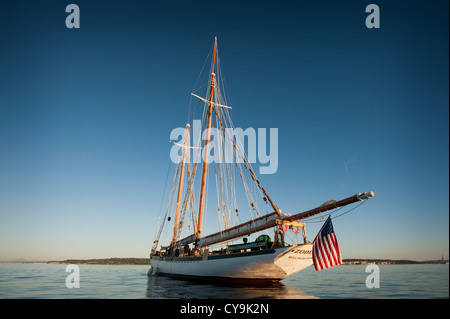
(180, 186)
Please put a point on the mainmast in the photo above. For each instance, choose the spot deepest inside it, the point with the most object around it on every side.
(208, 135)
(180, 186)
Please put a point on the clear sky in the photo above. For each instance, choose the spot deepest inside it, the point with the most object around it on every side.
(85, 117)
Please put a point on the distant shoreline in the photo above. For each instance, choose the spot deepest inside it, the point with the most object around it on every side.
(23, 262)
(390, 262)
(146, 261)
(106, 261)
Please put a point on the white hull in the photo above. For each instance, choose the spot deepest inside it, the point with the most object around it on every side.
(271, 264)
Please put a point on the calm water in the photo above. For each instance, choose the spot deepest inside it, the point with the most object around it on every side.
(104, 282)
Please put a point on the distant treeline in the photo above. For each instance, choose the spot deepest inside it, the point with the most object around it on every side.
(107, 261)
(389, 261)
(146, 261)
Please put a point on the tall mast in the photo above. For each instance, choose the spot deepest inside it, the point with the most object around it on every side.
(208, 135)
(180, 185)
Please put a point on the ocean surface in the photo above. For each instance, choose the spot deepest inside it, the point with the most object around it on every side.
(48, 281)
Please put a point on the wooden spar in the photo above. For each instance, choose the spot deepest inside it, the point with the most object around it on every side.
(268, 221)
(205, 157)
(330, 206)
(180, 185)
(205, 100)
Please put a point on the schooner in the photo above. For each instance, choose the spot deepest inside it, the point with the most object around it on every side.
(217, 256)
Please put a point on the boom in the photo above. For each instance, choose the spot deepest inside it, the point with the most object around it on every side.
(270, 220)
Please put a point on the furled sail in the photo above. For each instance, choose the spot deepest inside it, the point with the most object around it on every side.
(270, 220)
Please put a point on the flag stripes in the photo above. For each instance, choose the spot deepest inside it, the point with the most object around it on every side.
(326, 251)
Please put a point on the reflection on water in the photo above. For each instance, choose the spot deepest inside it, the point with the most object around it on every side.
(131, 281)
(177, 288)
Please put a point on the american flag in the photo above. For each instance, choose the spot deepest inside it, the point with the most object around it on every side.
(326, 252)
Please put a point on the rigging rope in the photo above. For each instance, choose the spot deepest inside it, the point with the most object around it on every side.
(198, 78)
(227, 201)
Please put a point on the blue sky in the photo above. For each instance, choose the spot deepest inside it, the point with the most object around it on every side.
(85, 117)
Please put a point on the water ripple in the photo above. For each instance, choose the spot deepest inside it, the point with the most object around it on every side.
(111, 281)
